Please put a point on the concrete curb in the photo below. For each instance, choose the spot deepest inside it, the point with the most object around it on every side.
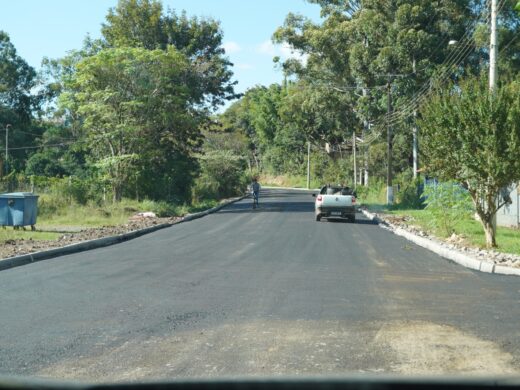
(18, 261)
(450, 254)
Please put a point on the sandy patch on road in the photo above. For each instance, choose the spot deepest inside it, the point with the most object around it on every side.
(426, 348)
(271, 348)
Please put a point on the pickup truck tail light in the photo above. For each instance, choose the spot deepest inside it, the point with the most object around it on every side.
(319, 198)
(353, 200)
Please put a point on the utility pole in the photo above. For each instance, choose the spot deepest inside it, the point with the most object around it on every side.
(365, 128)
(354, 155)
(389, 174)
(308, 164)
(415, 135)
(7, 149)
(415, 146)
(493, 47)
(493, 68)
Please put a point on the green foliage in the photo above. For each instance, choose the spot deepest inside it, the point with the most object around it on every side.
(142, 24)
(409, 194)
(221, 176)
(472, 135)
(373, 195)
(135, 106)
(467, 229)
(448, 203)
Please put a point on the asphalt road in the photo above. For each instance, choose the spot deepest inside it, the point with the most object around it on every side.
(263, 292)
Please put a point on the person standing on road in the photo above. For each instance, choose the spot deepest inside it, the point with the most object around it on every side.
(255, 189)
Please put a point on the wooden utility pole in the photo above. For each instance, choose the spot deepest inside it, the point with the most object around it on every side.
(354, 155)
(308, 165)
(365, 154)
(7, 149)
(415, 135)
(389, 173)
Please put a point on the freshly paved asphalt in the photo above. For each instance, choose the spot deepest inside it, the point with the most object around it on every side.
(257, 292)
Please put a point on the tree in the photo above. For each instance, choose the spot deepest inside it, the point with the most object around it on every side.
(472, 135)
(17, 79)
(142, 23)
(139, 115)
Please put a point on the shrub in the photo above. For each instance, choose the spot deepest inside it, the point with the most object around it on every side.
(448, 203)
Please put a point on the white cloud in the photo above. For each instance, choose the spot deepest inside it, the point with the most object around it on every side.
(285, 51)
(231, 47)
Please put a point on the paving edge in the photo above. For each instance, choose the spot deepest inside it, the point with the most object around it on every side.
(18, 261)
(447, 253)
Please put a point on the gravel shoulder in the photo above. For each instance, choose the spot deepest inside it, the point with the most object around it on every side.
(73, 235)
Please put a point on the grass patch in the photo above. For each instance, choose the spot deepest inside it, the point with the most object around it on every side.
(74, 217)
(508, 239)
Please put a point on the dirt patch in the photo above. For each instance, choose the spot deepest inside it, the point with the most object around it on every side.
(424, 348)
(295, 348)
(19, 247)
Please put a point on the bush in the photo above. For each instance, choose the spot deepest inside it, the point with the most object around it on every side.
(222, 175)
(52, 204)
(375, 193)
(448, 203)
(164, 209)
(410, 195)
(204, 187)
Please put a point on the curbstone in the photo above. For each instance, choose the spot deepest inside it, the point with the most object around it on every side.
(18, 261)
(447, 253)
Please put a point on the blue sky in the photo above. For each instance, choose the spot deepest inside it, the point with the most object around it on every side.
(50, 28)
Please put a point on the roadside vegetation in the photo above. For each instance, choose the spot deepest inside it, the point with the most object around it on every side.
(444, 210)
(466, 231)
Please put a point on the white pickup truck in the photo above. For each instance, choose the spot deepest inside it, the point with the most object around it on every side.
(335, 202)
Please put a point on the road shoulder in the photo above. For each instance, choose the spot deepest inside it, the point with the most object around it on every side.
(445, 250)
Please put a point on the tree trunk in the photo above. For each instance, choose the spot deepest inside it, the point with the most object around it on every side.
(489, 230)
(117, 189)
(486, 209)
